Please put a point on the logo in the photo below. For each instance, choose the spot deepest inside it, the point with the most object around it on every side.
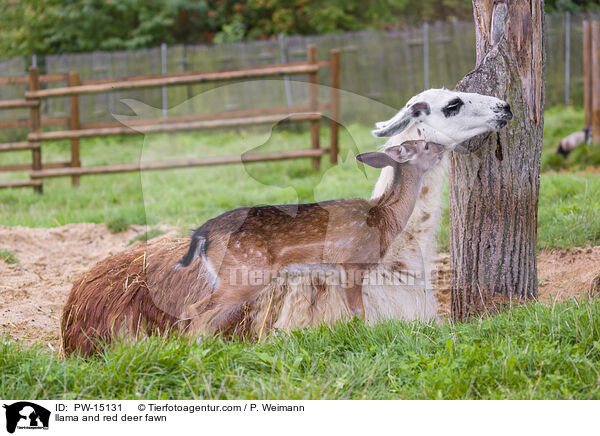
(26, 415)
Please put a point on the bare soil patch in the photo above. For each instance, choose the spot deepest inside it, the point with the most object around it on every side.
(562, 274)
(33, 291)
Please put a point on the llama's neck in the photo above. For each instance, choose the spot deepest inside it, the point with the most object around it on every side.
(392, 210)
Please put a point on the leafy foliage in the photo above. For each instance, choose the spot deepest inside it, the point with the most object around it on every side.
(572, 5)
(54, 26)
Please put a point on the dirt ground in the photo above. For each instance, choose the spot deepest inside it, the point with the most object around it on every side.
(33, 291)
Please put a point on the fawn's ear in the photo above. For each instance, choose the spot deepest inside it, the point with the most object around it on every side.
(375, 159)
(402, 153)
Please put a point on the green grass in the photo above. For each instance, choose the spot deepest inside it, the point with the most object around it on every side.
(569, 210)
(8, 256)
(534, 352)
(188, 197)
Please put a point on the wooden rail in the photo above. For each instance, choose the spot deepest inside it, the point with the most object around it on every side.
(24, 80)
(14, 104)
(27, 167)
(21, 184)
(17, 146)
(282, 110)
(180, 79)
(46, 122)
(322, 64)
(169, 127)
(224, 160)
(596, 80)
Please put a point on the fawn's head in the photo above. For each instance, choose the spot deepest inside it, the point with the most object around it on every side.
(420, 155)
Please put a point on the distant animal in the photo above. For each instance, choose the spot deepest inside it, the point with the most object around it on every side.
(353, 234)
(574, 140)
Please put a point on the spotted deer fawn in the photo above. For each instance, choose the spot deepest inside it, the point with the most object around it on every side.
(260, 241)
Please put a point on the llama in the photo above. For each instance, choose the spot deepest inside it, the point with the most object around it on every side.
(444, 117)
(351, 233)
(138, 292)
(574, 140)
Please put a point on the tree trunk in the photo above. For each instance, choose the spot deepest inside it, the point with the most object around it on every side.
(494, 190)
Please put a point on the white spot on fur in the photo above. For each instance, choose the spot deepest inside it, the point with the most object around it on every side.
(213, 278)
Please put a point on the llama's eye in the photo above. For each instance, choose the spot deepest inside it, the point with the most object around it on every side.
(453, 107)
(427, 146)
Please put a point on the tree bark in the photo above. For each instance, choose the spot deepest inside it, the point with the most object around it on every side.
(494, 189)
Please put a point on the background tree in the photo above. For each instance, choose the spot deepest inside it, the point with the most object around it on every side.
(494, 191)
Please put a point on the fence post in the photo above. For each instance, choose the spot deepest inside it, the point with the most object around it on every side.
(334, 106)
(596, 80)
(35, 124)
(74, 124)
(286, 79)
(567, 58)
(587, 72)
(313, 102)
(163, 67)
(426, 54)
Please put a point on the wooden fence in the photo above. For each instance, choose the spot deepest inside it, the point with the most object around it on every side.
(34, 123)
(311, 113)
(591, 76)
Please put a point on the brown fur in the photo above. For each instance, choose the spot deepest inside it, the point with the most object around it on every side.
(137, 292)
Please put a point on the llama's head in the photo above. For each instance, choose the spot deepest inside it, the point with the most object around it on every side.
(446, 117)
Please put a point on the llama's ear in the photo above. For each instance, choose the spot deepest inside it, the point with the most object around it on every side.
(402, 153)
(375, 159)
(402, 120)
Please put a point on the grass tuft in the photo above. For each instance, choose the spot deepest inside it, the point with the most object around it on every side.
(8, 256)
(118, 224)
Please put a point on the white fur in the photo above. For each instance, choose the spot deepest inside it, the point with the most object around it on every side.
(419, 254)
(478, 115)
(291, 305)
